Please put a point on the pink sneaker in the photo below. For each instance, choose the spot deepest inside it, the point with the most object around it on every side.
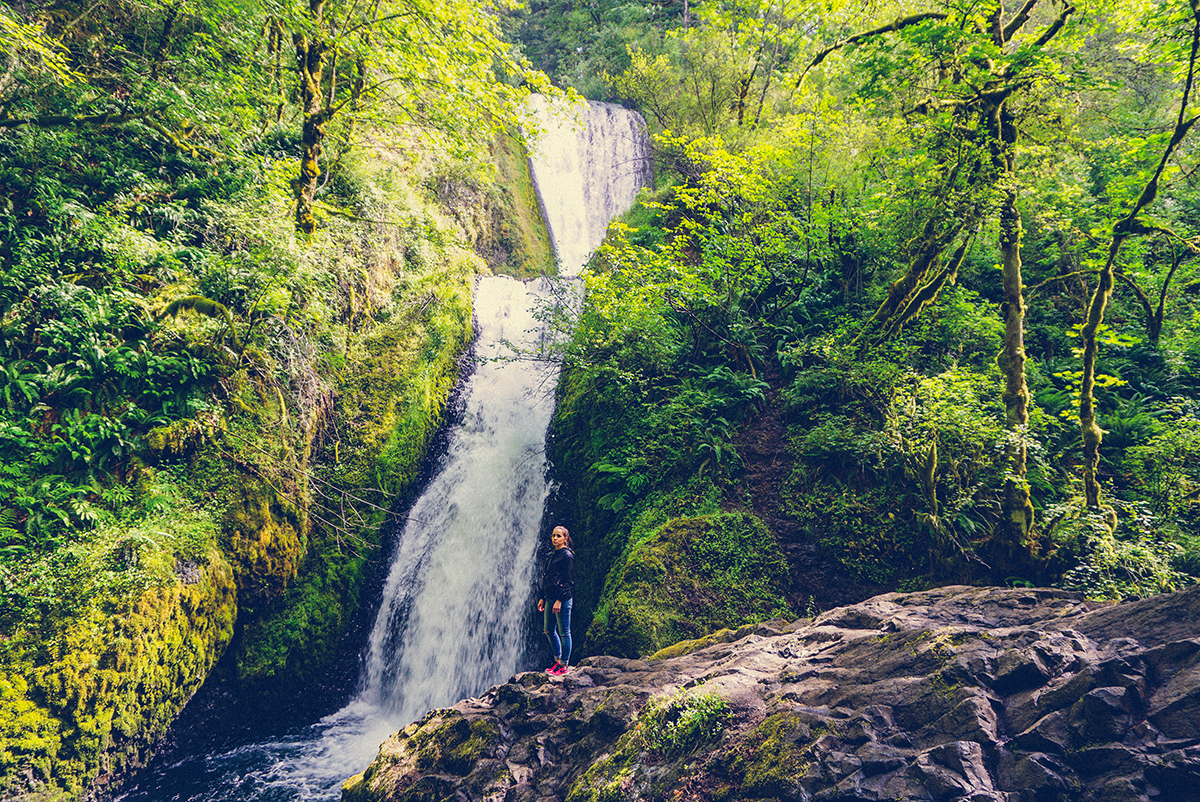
(558, 669)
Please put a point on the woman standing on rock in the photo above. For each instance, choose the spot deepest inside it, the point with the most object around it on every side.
(557, 591)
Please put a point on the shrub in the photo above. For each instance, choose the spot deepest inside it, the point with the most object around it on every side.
(682, 723)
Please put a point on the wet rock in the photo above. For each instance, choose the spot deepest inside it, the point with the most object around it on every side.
(963, 694)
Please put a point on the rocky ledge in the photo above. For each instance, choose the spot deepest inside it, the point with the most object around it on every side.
(953, 694)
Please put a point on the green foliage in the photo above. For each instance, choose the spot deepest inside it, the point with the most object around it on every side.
(117, 562)
(897, 471)
(169, 345)
(1114, 554)
(689, 577)
(160, 319)
(676, 725)
(578, 45)
(1167, 466)
(857, 525)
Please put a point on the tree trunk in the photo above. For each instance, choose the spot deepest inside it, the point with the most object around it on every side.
(1130, 225)
(310, 59)
(1092, 434)
(1013, 542)
(923, 266)
(1017, 519)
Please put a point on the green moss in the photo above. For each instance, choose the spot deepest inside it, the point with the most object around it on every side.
(695, 645)
(266, 539)
(681, 724)
(108, 686)
(651, 756)
(609, 779)
(447, 742)
(692, 576)
(520, 240)
(771, 758)
(394, 389)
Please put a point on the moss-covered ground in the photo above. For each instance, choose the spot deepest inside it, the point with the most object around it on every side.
(692, 576)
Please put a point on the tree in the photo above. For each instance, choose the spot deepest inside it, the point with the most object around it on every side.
(965, 68)
(723, 72)
(1132, 224)
(438, 65)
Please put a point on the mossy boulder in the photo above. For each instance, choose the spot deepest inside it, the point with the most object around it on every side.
(89, 703)
(692, 576)
(427, 759)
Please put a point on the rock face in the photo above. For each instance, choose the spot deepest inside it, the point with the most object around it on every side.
(953, 694)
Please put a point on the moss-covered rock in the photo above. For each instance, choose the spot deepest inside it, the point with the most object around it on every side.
(772, 758)
(712, 638)
(691, 577)
(423, 760)
(500, 213)
(266, 540)
(91, 702)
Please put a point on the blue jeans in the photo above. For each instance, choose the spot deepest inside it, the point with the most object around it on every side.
(560, 636)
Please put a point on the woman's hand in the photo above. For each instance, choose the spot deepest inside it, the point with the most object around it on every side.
(541, 605)
(557, 608)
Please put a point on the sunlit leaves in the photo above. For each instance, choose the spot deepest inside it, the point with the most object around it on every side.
(29, 48)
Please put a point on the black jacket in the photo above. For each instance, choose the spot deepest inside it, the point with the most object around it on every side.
(559, 584)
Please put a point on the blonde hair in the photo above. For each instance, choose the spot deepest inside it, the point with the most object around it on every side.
(563, 529)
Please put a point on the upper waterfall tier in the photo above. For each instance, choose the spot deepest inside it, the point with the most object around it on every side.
(588, 163)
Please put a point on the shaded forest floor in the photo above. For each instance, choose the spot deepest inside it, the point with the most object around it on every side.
(819, 582)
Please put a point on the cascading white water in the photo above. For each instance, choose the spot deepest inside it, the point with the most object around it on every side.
(460, 586)
(460, 582)
(589, 163)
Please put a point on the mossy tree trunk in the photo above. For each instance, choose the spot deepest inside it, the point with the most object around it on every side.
(1013, 546)
(920, 284)
(1129, 225)
(310, 64)
(1016, 524)
(322, 98)
(1092, 434)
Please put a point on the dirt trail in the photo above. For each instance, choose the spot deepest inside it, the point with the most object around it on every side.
(818, 582)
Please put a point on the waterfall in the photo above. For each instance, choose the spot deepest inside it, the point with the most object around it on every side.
(459, 587)
(459, 590)
(588, 164)
(455, 607)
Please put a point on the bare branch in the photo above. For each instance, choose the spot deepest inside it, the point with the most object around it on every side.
(897, 24)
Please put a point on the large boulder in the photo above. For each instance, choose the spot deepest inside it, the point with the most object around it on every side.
(958, 693)
(690, 577)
